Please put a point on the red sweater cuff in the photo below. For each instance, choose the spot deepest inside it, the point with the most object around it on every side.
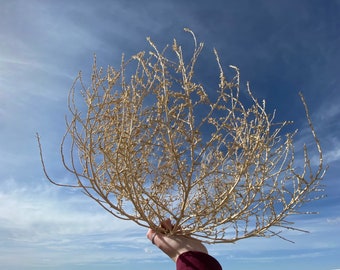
(195, 260)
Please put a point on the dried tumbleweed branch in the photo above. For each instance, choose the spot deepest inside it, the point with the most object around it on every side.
(157, 146)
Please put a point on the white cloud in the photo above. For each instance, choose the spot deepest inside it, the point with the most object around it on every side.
(53, 226)
(332, 155)
(50, 226)
(335, 220)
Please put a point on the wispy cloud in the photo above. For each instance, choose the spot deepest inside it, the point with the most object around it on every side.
(52, 226)
(62, 228)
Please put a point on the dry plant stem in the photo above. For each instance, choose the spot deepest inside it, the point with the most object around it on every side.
(157, 146)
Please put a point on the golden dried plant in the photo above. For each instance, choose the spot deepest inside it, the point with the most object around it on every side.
(157, 146)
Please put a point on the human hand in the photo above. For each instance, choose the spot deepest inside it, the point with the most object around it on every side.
(174, 245)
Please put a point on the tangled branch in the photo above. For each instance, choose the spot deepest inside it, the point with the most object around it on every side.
(157, 146)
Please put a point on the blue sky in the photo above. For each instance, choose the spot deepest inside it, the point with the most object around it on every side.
(281, 48)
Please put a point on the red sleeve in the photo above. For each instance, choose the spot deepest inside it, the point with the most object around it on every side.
(194, 260)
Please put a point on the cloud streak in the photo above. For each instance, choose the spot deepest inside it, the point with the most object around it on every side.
(50, 225)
